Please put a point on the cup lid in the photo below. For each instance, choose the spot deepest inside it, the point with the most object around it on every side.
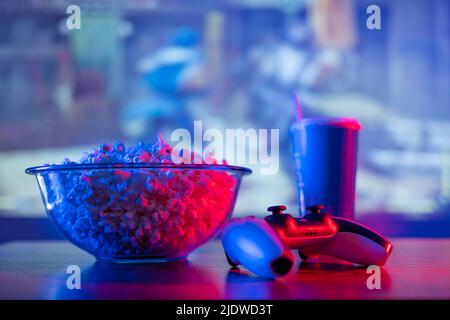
(345, 123)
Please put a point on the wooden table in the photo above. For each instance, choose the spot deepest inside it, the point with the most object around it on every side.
(418, 268)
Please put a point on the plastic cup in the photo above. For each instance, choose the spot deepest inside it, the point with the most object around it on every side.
(325, 155)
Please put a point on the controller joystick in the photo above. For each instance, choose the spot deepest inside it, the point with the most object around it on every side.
(276, 209)
(315, 209)
(263, 245)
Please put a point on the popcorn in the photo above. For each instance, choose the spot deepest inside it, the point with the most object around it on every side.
(140, 212)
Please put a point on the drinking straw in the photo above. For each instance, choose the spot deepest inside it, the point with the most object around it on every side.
(297, 162)
(298, 108)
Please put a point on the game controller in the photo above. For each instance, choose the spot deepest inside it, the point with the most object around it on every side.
(264, 246)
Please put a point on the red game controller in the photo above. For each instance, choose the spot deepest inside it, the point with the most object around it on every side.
(263, 245)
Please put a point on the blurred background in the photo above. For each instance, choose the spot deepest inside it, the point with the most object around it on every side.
(138, 67)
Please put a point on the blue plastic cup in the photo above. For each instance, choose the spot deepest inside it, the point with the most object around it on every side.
(325, 155)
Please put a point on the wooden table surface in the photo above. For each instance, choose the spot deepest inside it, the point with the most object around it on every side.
(417, 269)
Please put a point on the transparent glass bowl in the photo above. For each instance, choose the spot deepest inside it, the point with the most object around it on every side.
(138, 212)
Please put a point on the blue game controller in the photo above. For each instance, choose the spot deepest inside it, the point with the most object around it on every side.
(263, 246)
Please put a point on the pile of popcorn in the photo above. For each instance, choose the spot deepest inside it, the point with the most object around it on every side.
(124, 212)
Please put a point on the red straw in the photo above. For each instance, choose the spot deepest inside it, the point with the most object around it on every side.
(298, 107)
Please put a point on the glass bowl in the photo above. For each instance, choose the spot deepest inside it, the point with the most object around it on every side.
(133, 212)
